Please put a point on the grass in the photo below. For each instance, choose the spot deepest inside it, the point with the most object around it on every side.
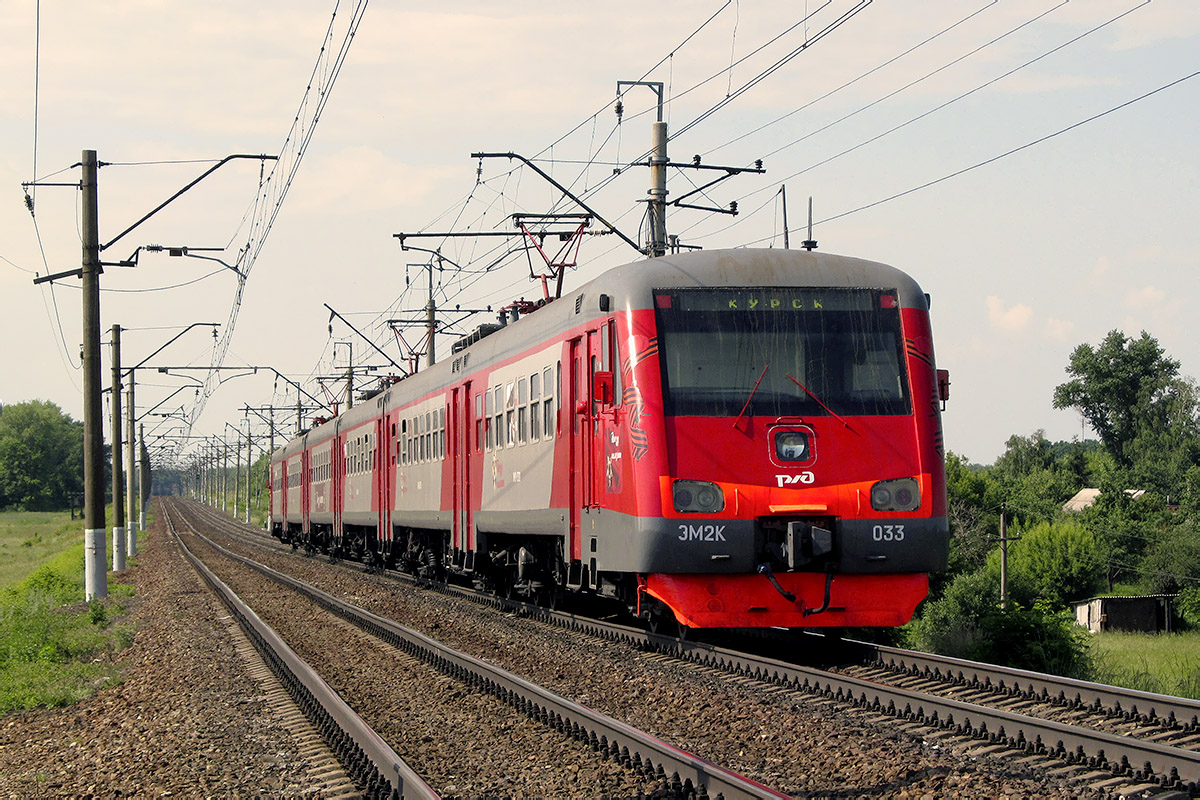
(55, 649)
(28, 539)
(1165, 663)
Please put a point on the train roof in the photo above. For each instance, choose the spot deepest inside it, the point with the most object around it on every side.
(754, 267)
(630, 287)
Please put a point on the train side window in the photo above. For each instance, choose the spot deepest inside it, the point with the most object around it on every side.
(614, 344)
(431, 434)
(558, 398)
(498, 417)
(548, 403)
(535, 406)
(488, 410)
(440, 438)
(523, 410)
(478, 423)
(434, 437)
(510, 414)
(605, 340)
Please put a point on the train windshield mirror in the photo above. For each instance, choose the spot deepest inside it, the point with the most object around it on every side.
(845, 345)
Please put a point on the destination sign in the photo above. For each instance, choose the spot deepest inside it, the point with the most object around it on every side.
(780, 299)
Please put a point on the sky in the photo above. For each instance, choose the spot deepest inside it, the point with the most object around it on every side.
(1032, 164)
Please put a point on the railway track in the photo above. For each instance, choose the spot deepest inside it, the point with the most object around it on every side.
(375, 769)
(666, 771)
(1106, 737)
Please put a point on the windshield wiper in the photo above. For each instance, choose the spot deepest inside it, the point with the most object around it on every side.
(836, 415)
(749, 399)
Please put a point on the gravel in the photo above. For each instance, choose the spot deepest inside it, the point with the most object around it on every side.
(188, 720)
(799, 744)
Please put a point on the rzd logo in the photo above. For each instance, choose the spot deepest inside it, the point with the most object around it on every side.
(805, 477)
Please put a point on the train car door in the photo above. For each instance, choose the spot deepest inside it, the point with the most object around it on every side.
(605, 463)
(305, 489)
(461, 422)
(379, 492)
(582, 433)
(283, 491)
(337, 474)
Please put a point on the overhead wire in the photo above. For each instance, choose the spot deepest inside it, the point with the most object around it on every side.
(889, 62)
(1005, 154)
(324, 74)
(64, 351)
(926, 113)
(969, 92)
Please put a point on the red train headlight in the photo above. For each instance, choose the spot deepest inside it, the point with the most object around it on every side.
(900, 494)
(701, 496)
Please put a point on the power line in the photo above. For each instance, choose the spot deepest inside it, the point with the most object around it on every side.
(968, 93)
(324, 74)
(1008, 153)
(850, 83)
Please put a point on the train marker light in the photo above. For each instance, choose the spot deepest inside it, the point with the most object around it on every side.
(698, 496)
(900, 494)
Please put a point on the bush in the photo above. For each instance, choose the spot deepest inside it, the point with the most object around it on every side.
(1188, 604)
(1056, 561)
(967, 622)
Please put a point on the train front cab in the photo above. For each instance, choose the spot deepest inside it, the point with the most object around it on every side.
(804, 481)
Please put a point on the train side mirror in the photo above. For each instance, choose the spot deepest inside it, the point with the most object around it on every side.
(602, 388)
(943, 385)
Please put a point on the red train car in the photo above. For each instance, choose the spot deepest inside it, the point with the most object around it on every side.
(720, 438)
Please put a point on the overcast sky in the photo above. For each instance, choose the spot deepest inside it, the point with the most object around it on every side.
(888, 120)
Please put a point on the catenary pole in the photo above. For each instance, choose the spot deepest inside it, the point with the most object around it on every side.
(143, 476)
(95, 560)
(237, 475)
(249, 468)
(118, 470)
(1003, 556)
(131, 484)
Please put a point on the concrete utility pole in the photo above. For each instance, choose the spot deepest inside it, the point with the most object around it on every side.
(431, 321)
(131, 486)
(657, 246)
(249, 469)
(95, 561)
(787, 245)
(1004, 540)
(94, 558)
(143, 476)
(237, 476)
(118, 470)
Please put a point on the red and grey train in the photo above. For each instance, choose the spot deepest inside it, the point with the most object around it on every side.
(736, 438)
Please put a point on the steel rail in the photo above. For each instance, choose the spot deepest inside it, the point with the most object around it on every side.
(373, 764)
(1129, 703)
(683, 772)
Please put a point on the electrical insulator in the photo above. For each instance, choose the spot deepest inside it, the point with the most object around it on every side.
(620, 109)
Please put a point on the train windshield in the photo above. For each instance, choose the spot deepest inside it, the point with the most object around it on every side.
(785, 352)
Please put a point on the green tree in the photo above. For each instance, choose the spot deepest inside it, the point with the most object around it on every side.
(41, 456)
(1127, 388)
(1058, 562)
